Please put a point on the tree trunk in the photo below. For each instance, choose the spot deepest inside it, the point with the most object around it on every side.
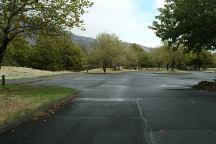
(159, 68)
(173, 65)
(104, 68)
(2, 54)
(3, 46)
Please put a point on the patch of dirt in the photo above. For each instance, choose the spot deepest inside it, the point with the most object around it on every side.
(206, 85)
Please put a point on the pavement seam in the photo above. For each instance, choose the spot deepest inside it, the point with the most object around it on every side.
(98, 117)
(105, 100)
(194, 130)
(147, 134)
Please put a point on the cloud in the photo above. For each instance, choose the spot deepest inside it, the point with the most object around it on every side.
(129, 19)
(160, 3)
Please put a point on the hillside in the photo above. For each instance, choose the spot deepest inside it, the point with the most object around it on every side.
(88, 42)
(85, 42)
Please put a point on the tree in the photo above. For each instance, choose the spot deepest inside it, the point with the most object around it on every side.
(202, 59)
(174, 56)
(56, 53)
(131, 58)
(72, 57)
(107, 48)
(179, 57)
(187, 22)
(159, 57)
(26, 16)
(18, 53)
(138, 56)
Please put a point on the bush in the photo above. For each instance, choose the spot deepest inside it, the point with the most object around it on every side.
(206, 85)
(49, 53)
(18, 53)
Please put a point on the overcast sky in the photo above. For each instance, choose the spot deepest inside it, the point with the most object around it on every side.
(129, 19)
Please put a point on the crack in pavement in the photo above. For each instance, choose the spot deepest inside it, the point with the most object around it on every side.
(106, 99)
(147, 134)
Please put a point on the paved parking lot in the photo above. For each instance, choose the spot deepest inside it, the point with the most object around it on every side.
(127, 108)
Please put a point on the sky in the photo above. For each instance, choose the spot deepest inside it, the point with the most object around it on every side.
(129, 19)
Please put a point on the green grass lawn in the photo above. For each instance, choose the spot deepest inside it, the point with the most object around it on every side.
(18, 100)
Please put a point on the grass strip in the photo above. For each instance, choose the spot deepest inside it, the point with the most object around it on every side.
(18, 100)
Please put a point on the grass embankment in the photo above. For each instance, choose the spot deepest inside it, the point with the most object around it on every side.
(21, 72)
(109, 71)
(165, 71)
(211, 70)
(172, 72)
(18, 100)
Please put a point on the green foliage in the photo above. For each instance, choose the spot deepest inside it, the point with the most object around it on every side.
(27, 16)
(108, 47)
(18, 53)
(60, 53)
(188, 22)
(159, 57)
(49, 53)
(200, 60)
(137, 57)
(56, 53)
(167, 56)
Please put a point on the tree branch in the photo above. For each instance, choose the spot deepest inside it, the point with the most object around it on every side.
(27, 27)
(15, 34)
(1, 27)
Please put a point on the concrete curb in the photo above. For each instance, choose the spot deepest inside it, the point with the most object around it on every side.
(28, 116)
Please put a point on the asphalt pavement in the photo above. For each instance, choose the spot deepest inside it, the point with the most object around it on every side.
(127, 108)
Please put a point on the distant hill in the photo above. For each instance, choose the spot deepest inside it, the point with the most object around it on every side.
(88, 42)
(148, 49)
(85, 42)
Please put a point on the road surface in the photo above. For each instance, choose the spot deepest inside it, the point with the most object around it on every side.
(127, 108)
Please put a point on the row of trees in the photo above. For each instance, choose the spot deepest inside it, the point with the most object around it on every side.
(48, 53)
(187, 29)
(110, 51)
(61, 53)
(181, 59)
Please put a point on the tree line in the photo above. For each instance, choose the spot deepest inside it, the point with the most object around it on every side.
(110, 51)
(61, 53)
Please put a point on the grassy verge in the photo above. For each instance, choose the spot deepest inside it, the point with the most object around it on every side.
(172, 72)
(21, 72)
(18, 100)
(211, 70)
(109, 71)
